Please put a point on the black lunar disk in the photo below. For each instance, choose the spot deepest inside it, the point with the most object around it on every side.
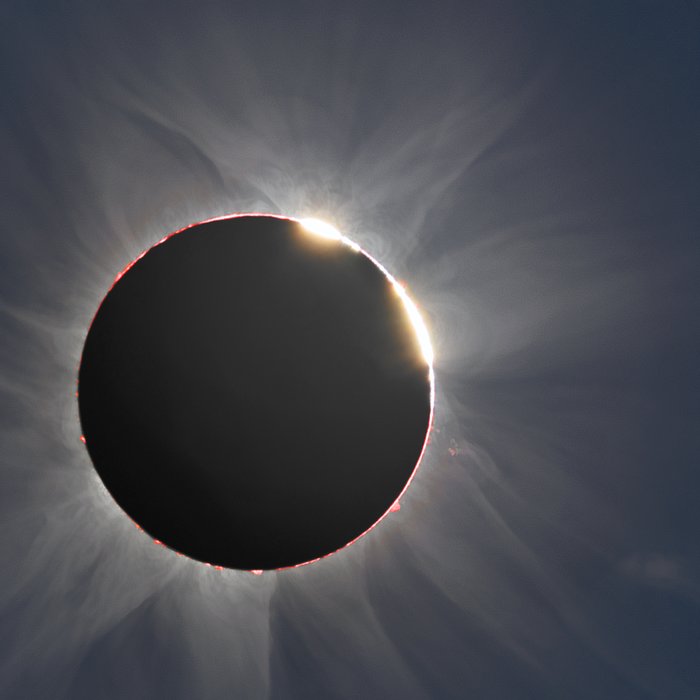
(252, 395)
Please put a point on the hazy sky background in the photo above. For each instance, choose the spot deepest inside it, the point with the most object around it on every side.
(531, 170)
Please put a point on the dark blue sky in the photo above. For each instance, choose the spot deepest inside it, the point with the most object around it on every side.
(531, 170)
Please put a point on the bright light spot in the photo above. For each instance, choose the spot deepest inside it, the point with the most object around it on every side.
(326, 230)
(321, 228)
(417, 322)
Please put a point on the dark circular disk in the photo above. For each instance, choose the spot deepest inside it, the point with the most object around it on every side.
(253, 396)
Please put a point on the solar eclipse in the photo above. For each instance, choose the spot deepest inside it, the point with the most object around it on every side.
(256, 392)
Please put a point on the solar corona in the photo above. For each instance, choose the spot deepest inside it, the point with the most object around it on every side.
(256, 391)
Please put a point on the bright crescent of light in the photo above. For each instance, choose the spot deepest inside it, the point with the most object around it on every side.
(326, 230)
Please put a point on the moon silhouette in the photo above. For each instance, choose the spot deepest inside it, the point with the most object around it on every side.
(256, 392)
